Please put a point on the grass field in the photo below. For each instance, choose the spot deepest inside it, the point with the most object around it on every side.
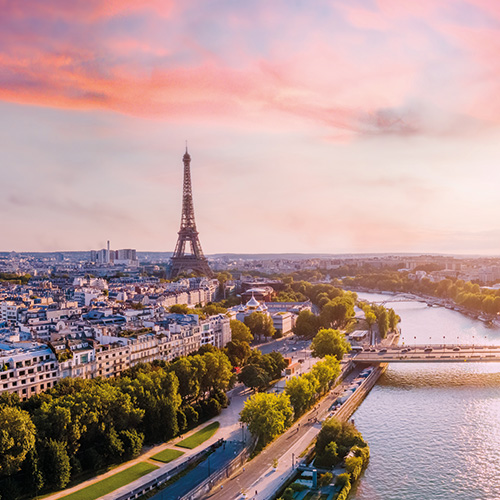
(167, 455)
(112, 483)
(199, 437)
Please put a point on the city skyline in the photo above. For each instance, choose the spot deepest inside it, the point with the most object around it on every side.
(358, 127)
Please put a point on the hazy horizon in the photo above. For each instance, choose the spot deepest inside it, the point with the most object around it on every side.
(325, 127)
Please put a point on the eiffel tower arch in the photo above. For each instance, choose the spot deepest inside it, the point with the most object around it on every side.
(193, 260)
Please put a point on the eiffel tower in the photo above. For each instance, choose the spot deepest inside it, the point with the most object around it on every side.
(194, 261)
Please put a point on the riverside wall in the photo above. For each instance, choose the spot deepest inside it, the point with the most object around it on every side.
(352, 404)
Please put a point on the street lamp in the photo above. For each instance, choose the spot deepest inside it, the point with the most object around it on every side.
(444, 343)
(415, 338)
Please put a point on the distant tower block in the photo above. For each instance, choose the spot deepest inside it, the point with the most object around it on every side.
(194, 261)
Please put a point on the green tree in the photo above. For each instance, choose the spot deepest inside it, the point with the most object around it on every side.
(343, 434)
(370, 318)
(354, 466)
(307, 324)
(301, 392)
(336, 312)
(383, 323)
(56, 464)
(240, 331)
(329, 342)
(393, 320)
(267, 415)
(254, 376)
(343, 480)
(186, 373)
(326, 371)
(212, 309)
(325, 479)
(17, 438)
(260, 324)
(238, 352)
(179, 309)
(218, 371)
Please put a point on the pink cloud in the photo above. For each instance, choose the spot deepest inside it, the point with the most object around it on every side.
(366, 81)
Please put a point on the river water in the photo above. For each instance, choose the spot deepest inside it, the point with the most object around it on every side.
(433, 429)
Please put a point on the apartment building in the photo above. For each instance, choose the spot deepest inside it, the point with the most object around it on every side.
(27, 368)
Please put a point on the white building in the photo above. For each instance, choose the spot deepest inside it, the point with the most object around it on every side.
(27, 368)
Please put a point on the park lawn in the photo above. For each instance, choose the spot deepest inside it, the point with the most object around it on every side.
(199, 437)
(167, 455)
(112, 483)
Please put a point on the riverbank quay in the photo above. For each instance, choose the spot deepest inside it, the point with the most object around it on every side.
(259, 479)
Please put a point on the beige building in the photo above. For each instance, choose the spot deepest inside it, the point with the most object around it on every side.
(27, 368)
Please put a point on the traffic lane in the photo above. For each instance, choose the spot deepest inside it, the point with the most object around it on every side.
(257, 467)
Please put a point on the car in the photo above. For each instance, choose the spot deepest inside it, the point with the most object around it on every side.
(294, 348)
(373, 349)
(382, 351)
(403, 351)
(428, 349)
(456, 348)
(301, 360)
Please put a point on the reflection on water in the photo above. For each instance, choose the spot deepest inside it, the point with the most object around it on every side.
(434, 429)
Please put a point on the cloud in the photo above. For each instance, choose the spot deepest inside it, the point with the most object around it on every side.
(383, 70)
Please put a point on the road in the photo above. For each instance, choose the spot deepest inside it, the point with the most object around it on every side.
(259, 479)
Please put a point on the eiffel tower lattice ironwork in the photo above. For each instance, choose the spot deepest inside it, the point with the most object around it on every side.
(182, 261)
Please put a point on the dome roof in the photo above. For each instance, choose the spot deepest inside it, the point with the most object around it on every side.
(253, 302)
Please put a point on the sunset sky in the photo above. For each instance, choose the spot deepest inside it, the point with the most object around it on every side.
(313, 126)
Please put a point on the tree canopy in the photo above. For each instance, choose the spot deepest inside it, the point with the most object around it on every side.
(240, 331)
(267, 415)
(260, 324)
(329, 342)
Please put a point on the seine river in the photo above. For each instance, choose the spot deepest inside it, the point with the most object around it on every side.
(433, 429)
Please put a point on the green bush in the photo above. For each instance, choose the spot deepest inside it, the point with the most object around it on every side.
(363, 452)
(343, 480)
(354, 466)
(344, 493)
(297, 487)
(325, 479)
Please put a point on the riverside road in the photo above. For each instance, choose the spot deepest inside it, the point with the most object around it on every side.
(259, 471)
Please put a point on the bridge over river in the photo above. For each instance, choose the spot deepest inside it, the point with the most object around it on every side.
(430, 354)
